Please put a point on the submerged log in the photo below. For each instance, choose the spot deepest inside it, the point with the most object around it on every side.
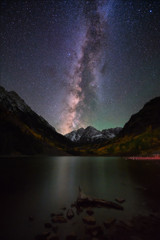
(86, 201)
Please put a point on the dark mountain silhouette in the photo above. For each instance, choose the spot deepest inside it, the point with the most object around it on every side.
(22, 131)
(25, 132)
(139, 136)
(148, 116)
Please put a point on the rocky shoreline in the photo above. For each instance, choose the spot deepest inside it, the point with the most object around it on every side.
(138, 228)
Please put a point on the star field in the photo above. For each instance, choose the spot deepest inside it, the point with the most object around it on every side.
(80, 63)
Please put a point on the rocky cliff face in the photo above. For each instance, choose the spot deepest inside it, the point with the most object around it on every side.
(111, 132)
(25, 132)
(91, 134)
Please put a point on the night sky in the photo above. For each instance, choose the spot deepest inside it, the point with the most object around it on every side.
(79, 63)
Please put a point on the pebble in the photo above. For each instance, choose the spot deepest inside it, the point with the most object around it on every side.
(71, 236)
(109, 222)
(59, 219)
(94, 231)
(89, 211)
(89, 220)
(120, 200)
(70, 213)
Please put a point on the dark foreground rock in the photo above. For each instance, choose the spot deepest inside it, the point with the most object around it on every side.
(86, 228)
(89, 220)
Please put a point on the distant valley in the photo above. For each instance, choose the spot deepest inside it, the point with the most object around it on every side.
(23, 132)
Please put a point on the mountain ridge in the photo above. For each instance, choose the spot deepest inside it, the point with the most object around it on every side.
(148, 115)
(25, 132)
(139, 136)
(91, 134)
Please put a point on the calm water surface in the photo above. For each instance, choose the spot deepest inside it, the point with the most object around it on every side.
(44, 185)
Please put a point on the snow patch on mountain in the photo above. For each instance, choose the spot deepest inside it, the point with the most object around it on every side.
(91, 134)
(75, 135)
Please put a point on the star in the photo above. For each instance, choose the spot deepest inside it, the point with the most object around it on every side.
(86, 59)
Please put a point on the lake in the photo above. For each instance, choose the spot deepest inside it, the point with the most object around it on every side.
(39, 186)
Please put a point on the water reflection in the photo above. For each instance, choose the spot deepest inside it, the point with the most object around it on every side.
(39, 186)
(64, 179)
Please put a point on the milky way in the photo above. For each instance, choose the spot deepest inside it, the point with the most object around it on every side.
(82, 99)
(83, 62)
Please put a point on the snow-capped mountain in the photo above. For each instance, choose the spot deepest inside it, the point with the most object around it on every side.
(75, 135)
(91, 134)
(111, 132)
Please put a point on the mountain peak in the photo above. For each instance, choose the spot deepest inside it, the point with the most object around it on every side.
(148, 116)
(91, 134)
(25, 132)
(12, 101)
